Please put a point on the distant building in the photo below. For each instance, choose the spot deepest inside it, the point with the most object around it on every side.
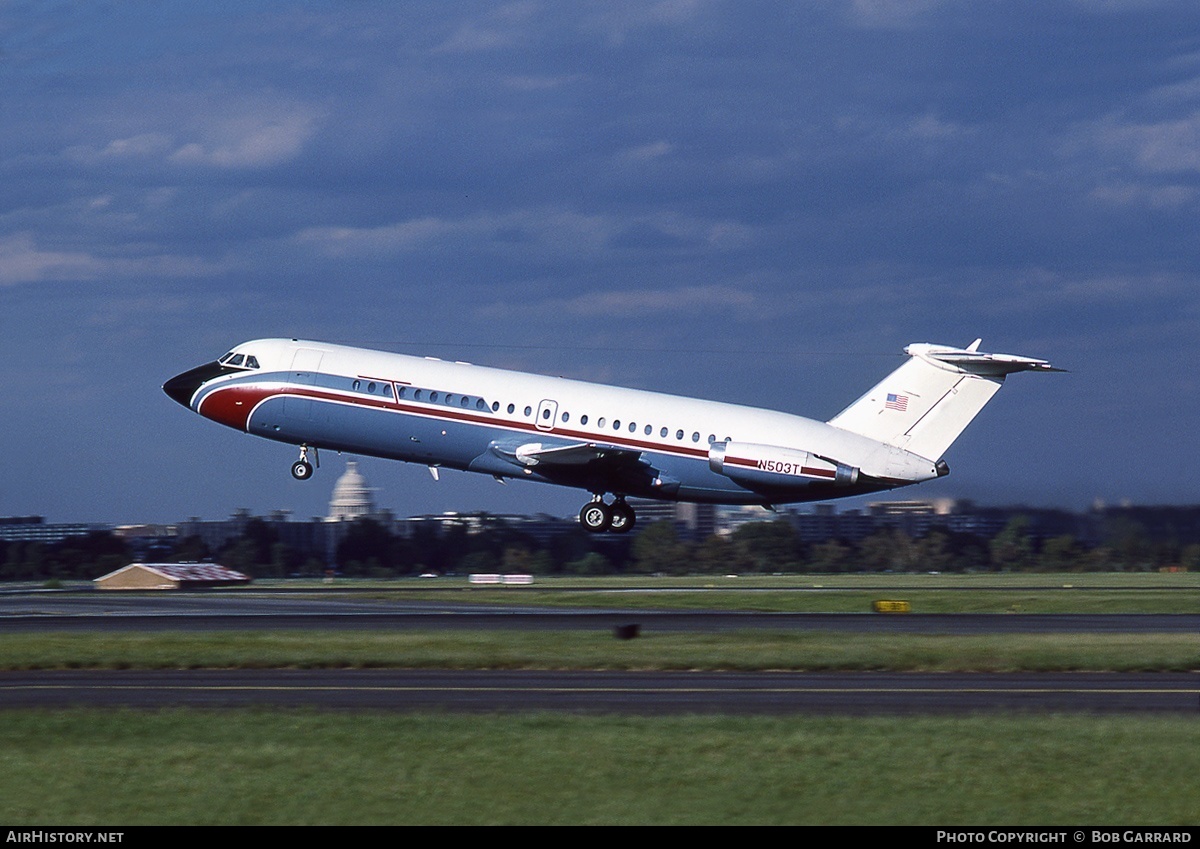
(352, 498)
(170, 576)
(729, 519)
(914, 518)
(821, 522)
(147, 541)
(693, 522)
(215, 533)
(541, 528)
(36, 529)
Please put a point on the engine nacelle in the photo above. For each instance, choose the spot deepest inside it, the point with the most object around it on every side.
(774, 466)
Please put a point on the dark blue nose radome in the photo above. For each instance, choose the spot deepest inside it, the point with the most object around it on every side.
(183, 386)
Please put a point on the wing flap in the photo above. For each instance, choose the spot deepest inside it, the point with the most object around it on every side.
(559, 455)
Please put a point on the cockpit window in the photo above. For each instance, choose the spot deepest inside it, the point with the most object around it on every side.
(233, 358)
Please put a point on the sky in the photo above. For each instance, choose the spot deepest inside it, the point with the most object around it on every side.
(760, 203)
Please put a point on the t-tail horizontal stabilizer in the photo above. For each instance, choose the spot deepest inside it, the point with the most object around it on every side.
(925, 404)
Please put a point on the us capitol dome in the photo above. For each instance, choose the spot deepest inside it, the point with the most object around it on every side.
(352, 498)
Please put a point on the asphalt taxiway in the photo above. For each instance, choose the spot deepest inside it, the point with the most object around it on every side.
(254, 610)
(643, 693)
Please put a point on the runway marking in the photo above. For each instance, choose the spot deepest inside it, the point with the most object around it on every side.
(500, 689)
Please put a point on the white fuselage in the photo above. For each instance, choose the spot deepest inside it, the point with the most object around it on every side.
(518, 425)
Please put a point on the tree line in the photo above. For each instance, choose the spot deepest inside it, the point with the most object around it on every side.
(369, 549)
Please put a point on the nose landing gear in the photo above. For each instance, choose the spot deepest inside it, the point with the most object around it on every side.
(598, 517)
(302, 470)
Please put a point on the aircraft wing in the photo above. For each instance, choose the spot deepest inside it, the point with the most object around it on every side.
(597, 466)
(574, 454)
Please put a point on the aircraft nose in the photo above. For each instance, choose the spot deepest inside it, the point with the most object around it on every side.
(183, 386)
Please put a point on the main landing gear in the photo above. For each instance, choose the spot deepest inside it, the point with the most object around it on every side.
(598, 517)
(302, 470)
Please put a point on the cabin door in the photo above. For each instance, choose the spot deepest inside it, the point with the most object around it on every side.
(305, 364)
(547, 412)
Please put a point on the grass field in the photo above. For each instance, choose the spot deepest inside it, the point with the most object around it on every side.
(1140, 592)
(738, 650)
(248, 767)
(845, 580)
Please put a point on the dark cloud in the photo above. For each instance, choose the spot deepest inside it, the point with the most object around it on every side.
(758, 203)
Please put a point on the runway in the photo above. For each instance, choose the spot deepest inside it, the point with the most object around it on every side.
(649, 693)
(215, 611)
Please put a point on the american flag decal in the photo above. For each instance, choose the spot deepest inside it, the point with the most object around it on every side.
(896, 402)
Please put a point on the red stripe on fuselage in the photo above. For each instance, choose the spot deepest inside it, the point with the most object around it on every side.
(444, 413)
(231, 405)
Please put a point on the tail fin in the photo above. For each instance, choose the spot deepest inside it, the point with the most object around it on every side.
(925, 404)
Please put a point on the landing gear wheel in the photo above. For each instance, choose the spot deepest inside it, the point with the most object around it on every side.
(623, 518)
(302, 470)
(595, 517)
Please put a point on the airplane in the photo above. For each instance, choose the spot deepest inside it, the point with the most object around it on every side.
(600, 438)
